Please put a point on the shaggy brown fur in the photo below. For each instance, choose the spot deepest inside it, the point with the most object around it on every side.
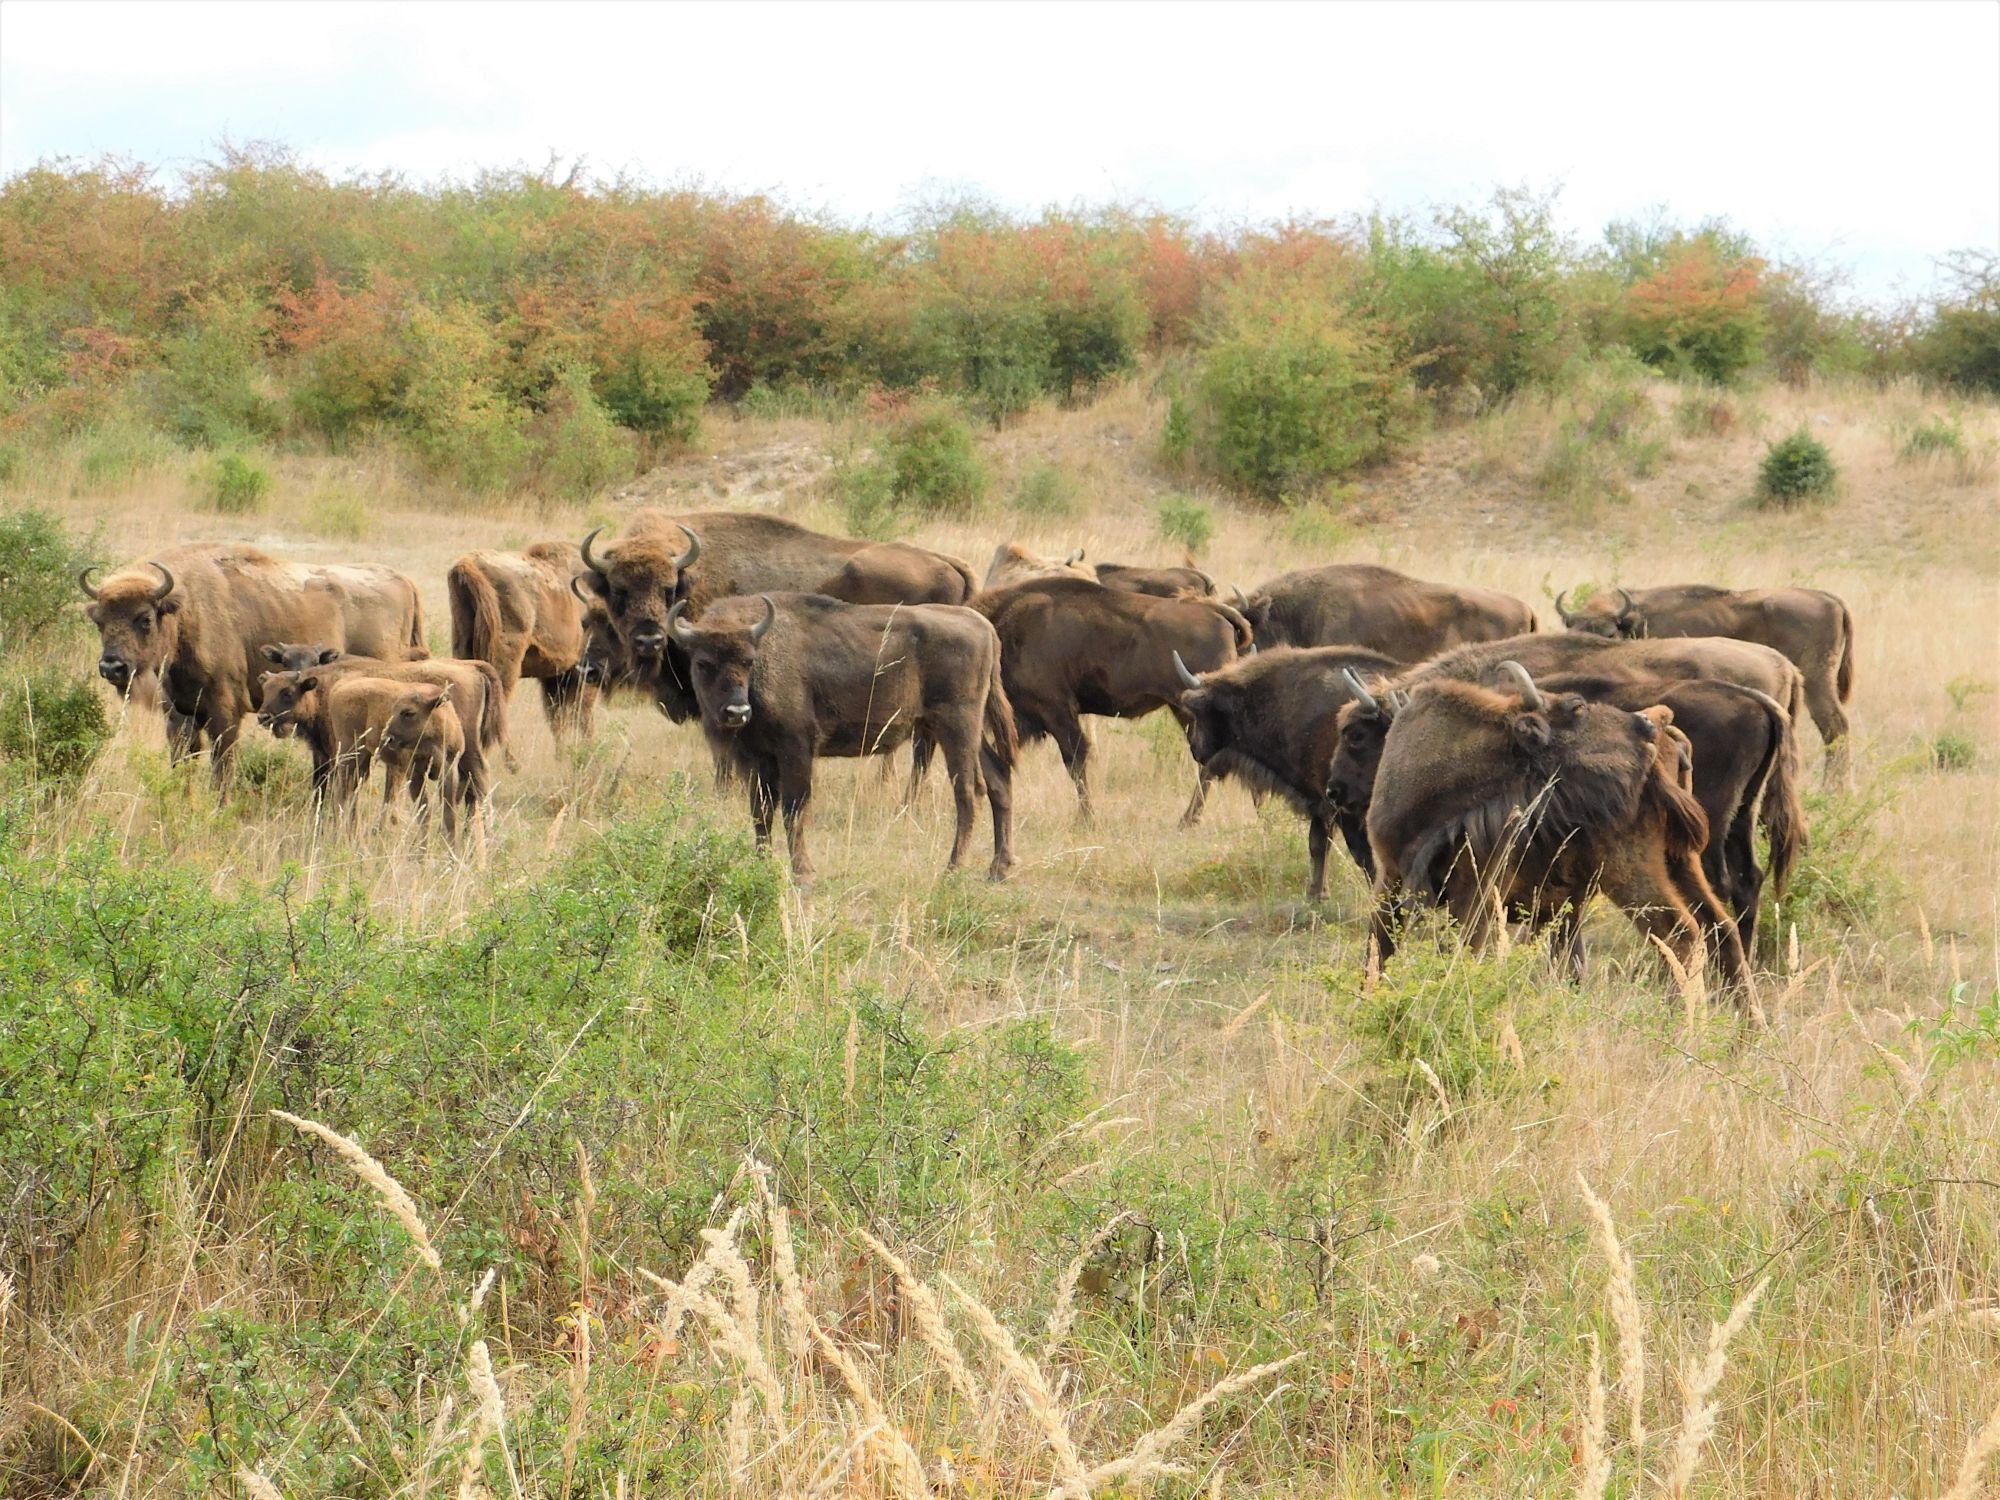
(518, 612)
(1379, 609)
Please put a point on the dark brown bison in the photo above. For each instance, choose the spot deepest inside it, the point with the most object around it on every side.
(1488, 803)
(518, 612)
(292, 701)
(782, 679)
(1013, 563)
(1379, 609)
(195, 620)
(1810, 627)
(664, 559)
(1070, 647)
(1270, 721)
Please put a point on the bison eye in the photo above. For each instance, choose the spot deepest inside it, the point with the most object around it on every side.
(143, 623)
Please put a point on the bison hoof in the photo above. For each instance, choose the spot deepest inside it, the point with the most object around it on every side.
(999, 870)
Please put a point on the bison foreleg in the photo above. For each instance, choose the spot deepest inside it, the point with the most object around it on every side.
(567, 701)
(1199, 801)
(1316, 841)
(795, 802)
(1000, 796)
(1074, 745)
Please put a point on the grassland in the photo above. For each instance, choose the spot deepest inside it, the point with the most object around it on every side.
(1381, 1178)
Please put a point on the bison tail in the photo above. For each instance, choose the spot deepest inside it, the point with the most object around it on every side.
(1844, 678)
(964, 570)
(1003, 736)
(475, 612)
(1240, 623)
(1784, 816)
(493, 713)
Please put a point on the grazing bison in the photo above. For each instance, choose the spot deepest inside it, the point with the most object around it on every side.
(782, 679)
(195, 620)
(518, 612)
(1810, 627)
(291, 701)
(1489, 802)
(1070, 647)
(1013, 563)
(664, 559)
(1270, 719)
(1360, 604)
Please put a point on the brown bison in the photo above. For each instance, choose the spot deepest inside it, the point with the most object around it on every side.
(1810, 627)
(1070, 647)
(195, 620)
(1270, 720)
(1013, 563)
(1488, 803)
(1379, 609)
(664, 559)
(292, 701)
(782, 679)
(411, 728)
(519, 612)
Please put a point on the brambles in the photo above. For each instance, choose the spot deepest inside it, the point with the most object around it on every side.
(235, 486)
(1796, 470)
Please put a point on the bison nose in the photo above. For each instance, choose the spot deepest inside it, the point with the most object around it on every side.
(649, 640)
(736, 715)
(114, 671)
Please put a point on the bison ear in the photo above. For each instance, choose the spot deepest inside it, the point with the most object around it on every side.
(308, 681)
(274, 656)
(1531, 731)
(168, 606)
(328, 655)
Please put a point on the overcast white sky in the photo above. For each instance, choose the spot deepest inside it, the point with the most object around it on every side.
(1864, 134)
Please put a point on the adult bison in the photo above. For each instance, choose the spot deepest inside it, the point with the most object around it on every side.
(1270, 719)
(665, 558)
(784, 678)
(518, 612)
(1013, 563)
(195, 621)
(1811, 627)
(1491, 802)
(1361, 604)
(1070, 647)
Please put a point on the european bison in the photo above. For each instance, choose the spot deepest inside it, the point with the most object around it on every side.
(196, 619)
(411, 728)
(1070, 647)
(1271, 720)
(1013, 563)
(1361, 604)
(1489, 802)
(518, 612)
(664, 559)
(784, 678)
(1811, 627)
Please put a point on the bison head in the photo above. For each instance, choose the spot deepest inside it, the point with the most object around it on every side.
(640, 582)
(1601, 615)
(1205, 710)
(290, 657)
(722, 653)
(410, 715)
(280, 696)
(1013, 563)
(137, 625)
(1363, 726)
(603, 662)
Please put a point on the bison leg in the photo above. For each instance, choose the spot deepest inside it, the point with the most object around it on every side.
(1199, 801)
(1000, 796)
(1354, 834)
(1316, 842)
(1720, 937)
(566, 701)
(795, 802)
(1829, 716)
(1074, 746)
(1649, 895)
(183, 735)
(763, 800)
(962, 763)
(223, 728)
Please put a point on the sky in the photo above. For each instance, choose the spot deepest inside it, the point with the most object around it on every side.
(1862, 136)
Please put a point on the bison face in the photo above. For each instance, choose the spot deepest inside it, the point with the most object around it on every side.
(640, 583)
(411, 715)
(300, 658)
(722, 658)
(1357, 756)
(137, 626)
(279, 697)
(1601, 615)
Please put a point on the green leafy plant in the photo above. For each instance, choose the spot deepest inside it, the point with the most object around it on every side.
(52, 723)
(1046, 491)
(236, 486)
(1797, 470)
(1187, 521)
(39, 565)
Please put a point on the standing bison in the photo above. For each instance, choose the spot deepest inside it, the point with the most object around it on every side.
(1070, 647)
(1013, 563)
(195, 621)
(782, 679)
(518, 612)
(1360, 604)
(1810, 627)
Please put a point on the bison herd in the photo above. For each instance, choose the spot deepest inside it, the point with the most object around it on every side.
(1467, 759)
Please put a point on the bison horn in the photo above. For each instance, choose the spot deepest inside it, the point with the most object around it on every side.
(1074, 558)
(1562, 608)
(576, 588)
(1360, 690)
(166, 583)
(1530, 694)
(1206, 582)
(686, 559)
(770, 614)
(677, 627)
(1188, 679)
(1242, 599)
(1624, 604)
(84, 579)
(590, 559)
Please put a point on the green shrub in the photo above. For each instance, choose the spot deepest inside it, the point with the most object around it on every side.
(52, 723)
(1046, 491)
(1959, 343)
(1796, 470)
(934, 468)
(207, 393)
(236, 486)
(1186, 521)
(1698, 312)
(585, 449)
(338, 514)
(1933, 438)
(39, 565)
(1319, 526)
(13, 459)
(866, 495)
(1952, 751)
(1704, 412)
(1177, 434)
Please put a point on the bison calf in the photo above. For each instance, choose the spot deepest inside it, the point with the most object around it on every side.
(784, 678)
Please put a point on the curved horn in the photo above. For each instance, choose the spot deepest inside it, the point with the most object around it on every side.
(1624, 604)
(1206, 582)
(1562, 608)
(576, 588)
(1399, 699)
(590, 559)
(1242, 599)
(1188, 679)
(686, 559)
(1530, 694)
(770, 614)
(677, 627)
(1360, 690)
(1074, 558)
(166, 583)
(83, 578)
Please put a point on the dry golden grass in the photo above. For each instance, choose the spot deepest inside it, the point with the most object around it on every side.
(1188, 967)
